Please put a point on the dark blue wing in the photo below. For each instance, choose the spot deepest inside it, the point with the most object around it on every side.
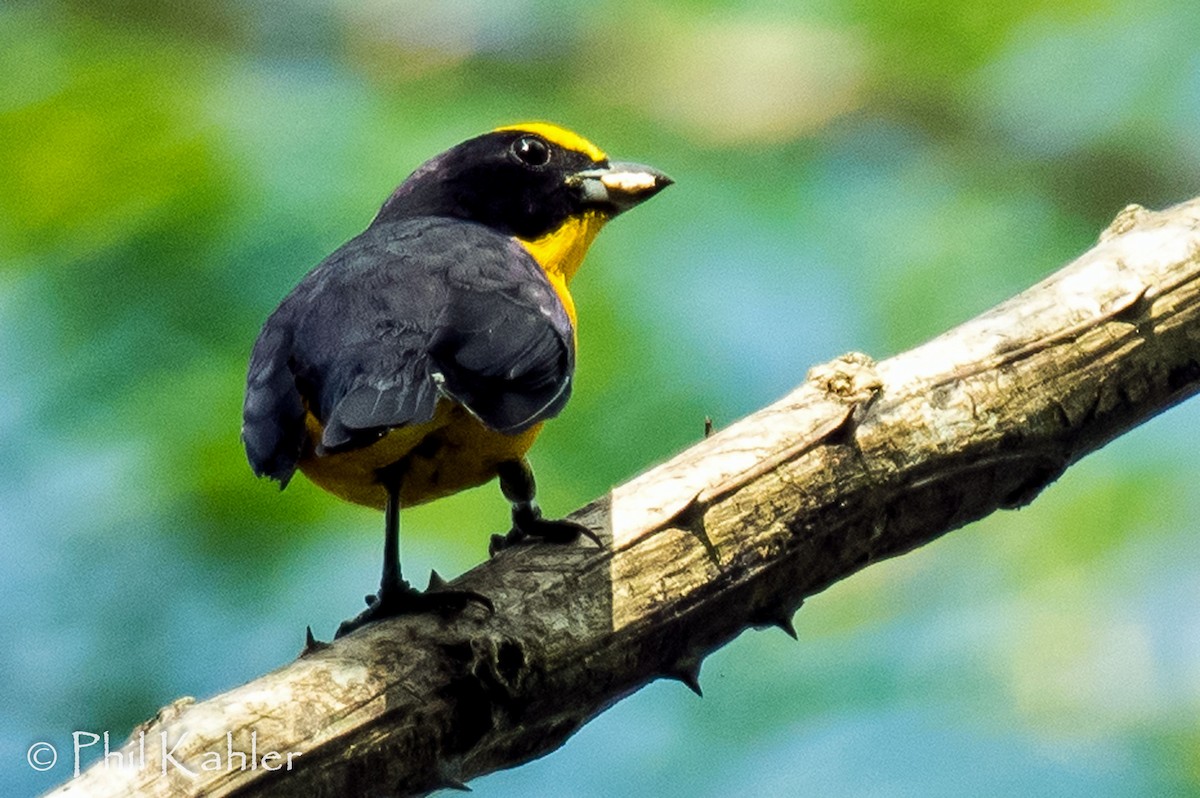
(405, 313)
(273, 413)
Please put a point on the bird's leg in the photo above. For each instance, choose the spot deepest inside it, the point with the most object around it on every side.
(518, 486)
(390, 583)
(396, 596)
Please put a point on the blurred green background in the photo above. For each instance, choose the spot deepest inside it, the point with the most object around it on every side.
(851, 175)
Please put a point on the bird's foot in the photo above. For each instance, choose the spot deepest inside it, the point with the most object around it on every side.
(401, 598)
(541, 529)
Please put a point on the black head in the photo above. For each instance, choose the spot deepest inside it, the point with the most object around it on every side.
(524, 180)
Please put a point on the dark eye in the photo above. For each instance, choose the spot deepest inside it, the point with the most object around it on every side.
(531, 151)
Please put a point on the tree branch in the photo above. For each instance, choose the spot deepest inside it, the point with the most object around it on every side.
(862, 462)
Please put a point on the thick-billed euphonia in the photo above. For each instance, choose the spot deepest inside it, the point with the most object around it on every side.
(423, 356)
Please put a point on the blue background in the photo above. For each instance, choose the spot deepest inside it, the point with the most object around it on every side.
(851, 176)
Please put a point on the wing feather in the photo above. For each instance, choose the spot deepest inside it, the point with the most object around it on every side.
(404, 314)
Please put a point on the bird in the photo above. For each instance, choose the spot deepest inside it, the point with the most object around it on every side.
(423, 356)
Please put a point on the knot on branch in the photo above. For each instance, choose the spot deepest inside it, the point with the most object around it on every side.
(164, 717)
(491, 687)
(1130, 217)
(851, 378)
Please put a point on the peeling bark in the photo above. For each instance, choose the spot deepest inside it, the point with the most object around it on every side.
(862, 462)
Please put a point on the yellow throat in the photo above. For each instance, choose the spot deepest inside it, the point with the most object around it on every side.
(561, 251)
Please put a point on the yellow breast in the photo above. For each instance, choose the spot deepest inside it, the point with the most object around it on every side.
(453, 451)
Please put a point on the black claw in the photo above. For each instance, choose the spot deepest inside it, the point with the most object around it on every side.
(708, 427)
(404, 600)
(470, 596)
(497, 544)
(559, 531)
(311, 644)
(542, 530)
(435, 581)
(590, 535)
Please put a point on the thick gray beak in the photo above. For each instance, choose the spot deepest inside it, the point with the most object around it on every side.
(619, 186)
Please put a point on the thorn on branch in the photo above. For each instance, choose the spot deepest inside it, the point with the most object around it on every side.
(691, 519)
(1038, 478)
(788, 627)
(448, 783)
(780, 617)
(843, 433)
(784, 623)
(687, 673)
(1132, 308)
(311, 644)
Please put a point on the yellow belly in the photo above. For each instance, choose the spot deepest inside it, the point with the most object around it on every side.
(453, 451)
